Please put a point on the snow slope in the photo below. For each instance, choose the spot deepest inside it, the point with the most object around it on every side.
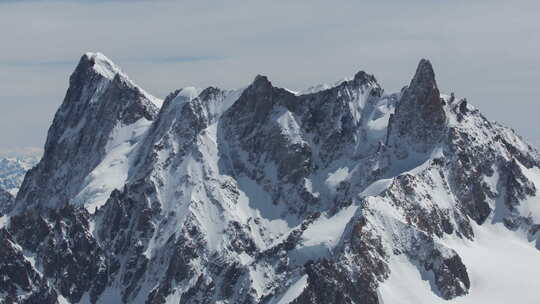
(500, 264)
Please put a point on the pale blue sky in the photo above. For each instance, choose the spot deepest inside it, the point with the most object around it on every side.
(487, 51)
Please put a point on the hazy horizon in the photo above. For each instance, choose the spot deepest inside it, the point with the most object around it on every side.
(486, 51)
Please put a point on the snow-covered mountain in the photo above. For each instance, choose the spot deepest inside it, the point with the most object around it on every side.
(341, 194)
(12, 170)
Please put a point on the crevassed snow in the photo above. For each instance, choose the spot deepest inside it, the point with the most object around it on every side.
(294, 290)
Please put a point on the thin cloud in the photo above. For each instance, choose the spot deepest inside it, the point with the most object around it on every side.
(484, 50)
(176, 59)
(72, 63)
(34, 64)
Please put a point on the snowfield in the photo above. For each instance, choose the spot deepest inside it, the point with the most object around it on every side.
(500, 264)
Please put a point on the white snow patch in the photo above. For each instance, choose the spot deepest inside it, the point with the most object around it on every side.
(322, 236)
(112, 172)
(294, 291)
(4, 221)
(290, 127)
(492, 180)
(328, 230)
(190, 92)
(323, 86)
(501, 264)
(62, 300)
(308, 183)
(376, 187)
(255, 203)
(335, 178)
(377, 122)
(104, 65)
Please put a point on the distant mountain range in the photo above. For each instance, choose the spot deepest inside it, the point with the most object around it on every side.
(13, 168)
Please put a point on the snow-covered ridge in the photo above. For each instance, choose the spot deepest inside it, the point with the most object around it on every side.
(263, 195)
(103, 65)
(108, 69)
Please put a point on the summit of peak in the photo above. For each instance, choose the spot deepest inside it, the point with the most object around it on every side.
(100, 64)
(261, 81)
(363, 77)
(424, 74)
(419, 117)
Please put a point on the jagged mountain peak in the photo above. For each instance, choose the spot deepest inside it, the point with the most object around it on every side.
(102, 111)
(100, 64)
(261, 81)
(424, 92)
(420, 118)
(363, 78)
(262, 195)
(96, 67)
(423, 87)
(424, 72)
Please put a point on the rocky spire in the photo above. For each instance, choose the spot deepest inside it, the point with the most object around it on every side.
(419, 120)
(261, 82)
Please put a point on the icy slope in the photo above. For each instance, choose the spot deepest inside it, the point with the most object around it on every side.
(345, 194)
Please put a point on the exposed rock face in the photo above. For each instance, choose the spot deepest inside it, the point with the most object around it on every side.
(6, 202)
(19, 277)
(99, 99)
(419, 122)
(260, 195)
